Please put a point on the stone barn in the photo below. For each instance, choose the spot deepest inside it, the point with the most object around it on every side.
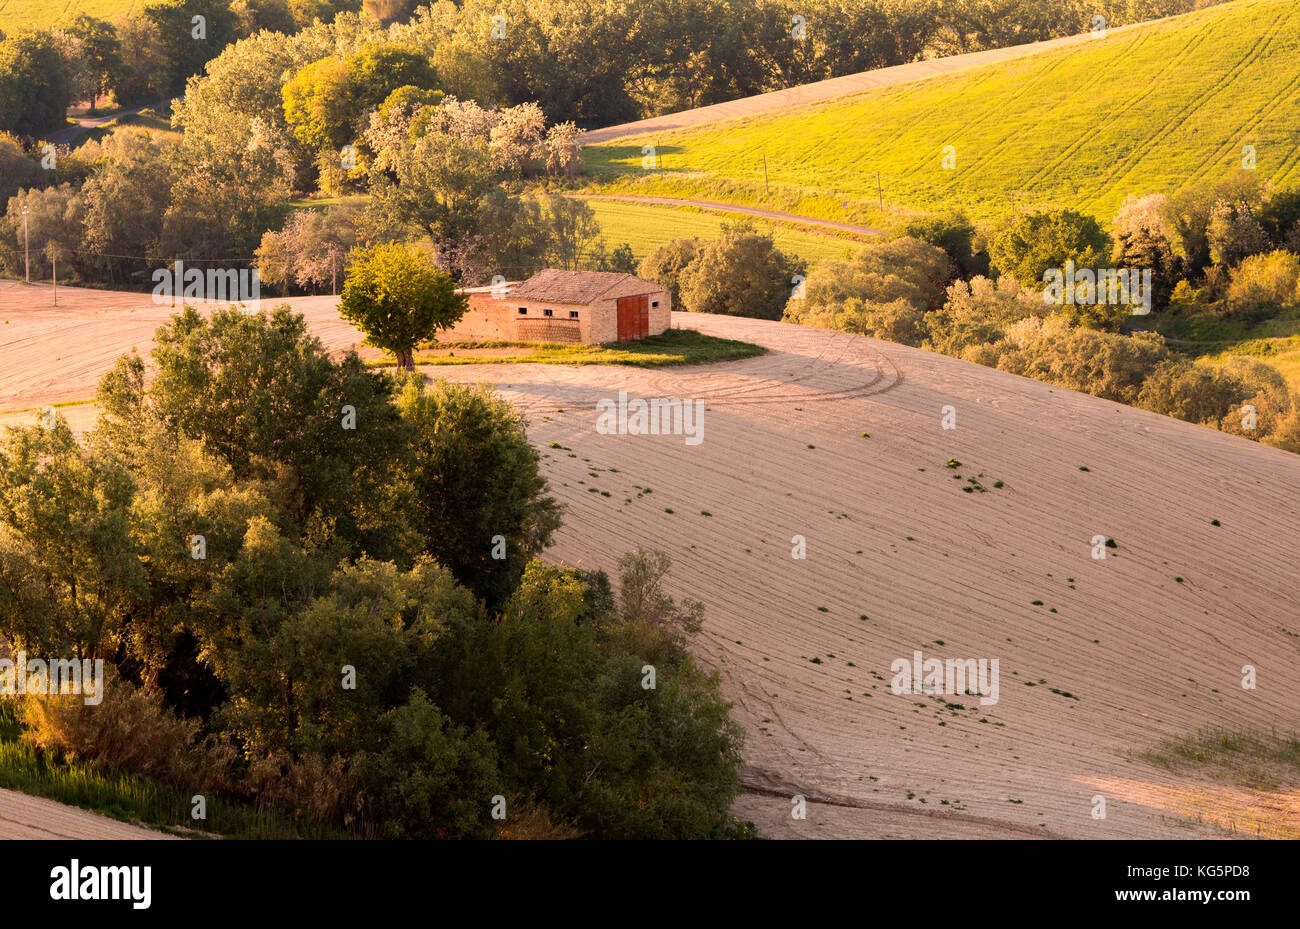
(579, 307)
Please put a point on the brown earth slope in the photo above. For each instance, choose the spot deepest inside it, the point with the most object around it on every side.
(1120, 652)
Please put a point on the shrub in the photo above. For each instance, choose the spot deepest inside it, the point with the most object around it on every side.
(898, 321)
(1031, 243)
(956, 235)
(978, 313)
(740, 274)
(897, 269)
(1103, 364)
(132, 731)
(1263, 285)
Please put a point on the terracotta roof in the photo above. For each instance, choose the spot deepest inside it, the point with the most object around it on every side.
(573, 287)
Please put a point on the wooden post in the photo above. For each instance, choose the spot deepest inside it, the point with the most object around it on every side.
(880, 192)
(765, 188)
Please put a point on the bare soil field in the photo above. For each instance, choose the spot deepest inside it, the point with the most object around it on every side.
(1099, 659)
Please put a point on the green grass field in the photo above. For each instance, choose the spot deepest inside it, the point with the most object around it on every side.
(674, 347)
(646, 225)
(16, 15)
(1147, 110)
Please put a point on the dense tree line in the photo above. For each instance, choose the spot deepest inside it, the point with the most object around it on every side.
(588, 62)
(318, 591)
(1224, 252)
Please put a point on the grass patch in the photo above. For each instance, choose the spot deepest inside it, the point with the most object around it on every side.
(646, 226)
(1248, 758)
(132, 799)
(17, 15)
(674, 347)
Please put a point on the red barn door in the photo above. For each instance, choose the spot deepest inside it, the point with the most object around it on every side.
(633, 318)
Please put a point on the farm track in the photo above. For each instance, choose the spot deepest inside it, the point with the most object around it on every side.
(743, 210)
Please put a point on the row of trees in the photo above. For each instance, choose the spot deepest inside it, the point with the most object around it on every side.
(328, 573)
(1226, 249)
(590, 62)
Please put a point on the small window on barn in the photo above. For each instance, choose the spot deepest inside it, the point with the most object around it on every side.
(654, 303)
(523, 311)
(548, 312)
(573, 314)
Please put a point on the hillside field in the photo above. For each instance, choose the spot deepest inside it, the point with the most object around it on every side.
(645, 226)
(838, 439)
(1143, 110)
(16, 15)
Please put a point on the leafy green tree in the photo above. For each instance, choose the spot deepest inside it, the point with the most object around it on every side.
(437, 186)
(740, 274)
(431, 779)
(957, 236)
(321, 437)
(125, 200)
(318, 104)
(897, 269)
(33, 84)
(666, 263)
(186, 43)
(1032, 243)
(480, 497)
(398, 299)
(70, 572)
(98, 56)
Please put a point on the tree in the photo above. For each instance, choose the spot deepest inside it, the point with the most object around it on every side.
(897, 269)
(126, 200)
(1145, 240)
(1234, 233)
(318, 104)
(188, 33)
(740, 274)
(398, 299)
(979, 311)
(1032, 243)
(311, 251)
(1190, 212)
(96, 51)
(1264, 285)
(17, 170)
(956, 235)
(33, 84)
(54, 218)
(69, 571)
(440, 181)
(268, 401)
(481, 498)
(666, 263)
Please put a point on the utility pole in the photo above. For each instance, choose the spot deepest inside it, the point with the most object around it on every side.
(334, 273)
(880, 192)
(54, 262)
(27, 257)
(765, 189)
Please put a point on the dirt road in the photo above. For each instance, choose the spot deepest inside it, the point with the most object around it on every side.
(24, 817)
(744, 210)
